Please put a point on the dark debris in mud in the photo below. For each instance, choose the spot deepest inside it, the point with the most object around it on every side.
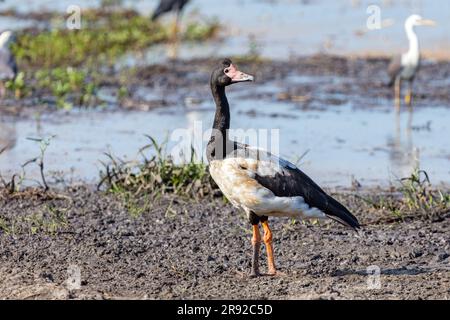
(317, 82)
(180, 249)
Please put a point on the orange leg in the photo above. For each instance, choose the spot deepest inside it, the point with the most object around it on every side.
(256, 243)
(408, 97)
(269, 248)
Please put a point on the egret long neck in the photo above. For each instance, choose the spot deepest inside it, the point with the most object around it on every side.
(414, 51)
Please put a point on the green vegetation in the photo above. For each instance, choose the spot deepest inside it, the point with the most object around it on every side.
(17, 180)
(67, 82)
(414, 198)
(418, 195)
(47, 220)
(50, 221)
(100, 39)
(69, 86)
(69, 64)
(17, 85)
(156, 176)
(51, 218)
(140, 184)
(196, 31)
(103, 37)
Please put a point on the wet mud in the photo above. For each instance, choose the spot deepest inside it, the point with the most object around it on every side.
(179, 249)
(317, 82)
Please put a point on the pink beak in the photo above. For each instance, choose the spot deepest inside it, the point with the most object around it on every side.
(236, 75)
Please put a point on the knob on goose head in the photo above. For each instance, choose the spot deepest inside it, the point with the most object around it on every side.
(227, 73)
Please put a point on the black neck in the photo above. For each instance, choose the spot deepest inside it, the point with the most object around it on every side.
(222, 118)
(219, 142)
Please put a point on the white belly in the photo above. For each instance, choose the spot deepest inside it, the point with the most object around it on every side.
(410, 64)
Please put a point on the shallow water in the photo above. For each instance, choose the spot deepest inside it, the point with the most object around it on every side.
(373, 146)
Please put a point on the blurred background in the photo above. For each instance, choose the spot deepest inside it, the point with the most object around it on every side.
(335, 116)
(285, 27)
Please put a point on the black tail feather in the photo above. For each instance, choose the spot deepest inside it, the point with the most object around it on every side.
(339, 213)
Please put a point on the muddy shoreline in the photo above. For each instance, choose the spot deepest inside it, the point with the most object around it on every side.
(182, 249)
(317, 82)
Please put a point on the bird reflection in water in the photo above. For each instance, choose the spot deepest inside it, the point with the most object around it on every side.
(8, 136)
(403, 155)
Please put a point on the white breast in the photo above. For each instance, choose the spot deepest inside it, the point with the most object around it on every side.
(410, 63)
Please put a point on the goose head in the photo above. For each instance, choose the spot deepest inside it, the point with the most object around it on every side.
(227, 74)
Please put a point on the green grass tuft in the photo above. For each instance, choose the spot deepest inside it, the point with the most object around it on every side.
(414, 198)
(104, 36)
(155, 177)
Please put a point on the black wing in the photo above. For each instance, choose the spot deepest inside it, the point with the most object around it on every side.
(289, 181)
(293, 182)
(167, 6)
(394, 69)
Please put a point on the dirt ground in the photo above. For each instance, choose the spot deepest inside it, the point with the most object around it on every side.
(180, 249)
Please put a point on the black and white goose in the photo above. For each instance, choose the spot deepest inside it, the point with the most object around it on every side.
(406, 66)
(258, 182)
